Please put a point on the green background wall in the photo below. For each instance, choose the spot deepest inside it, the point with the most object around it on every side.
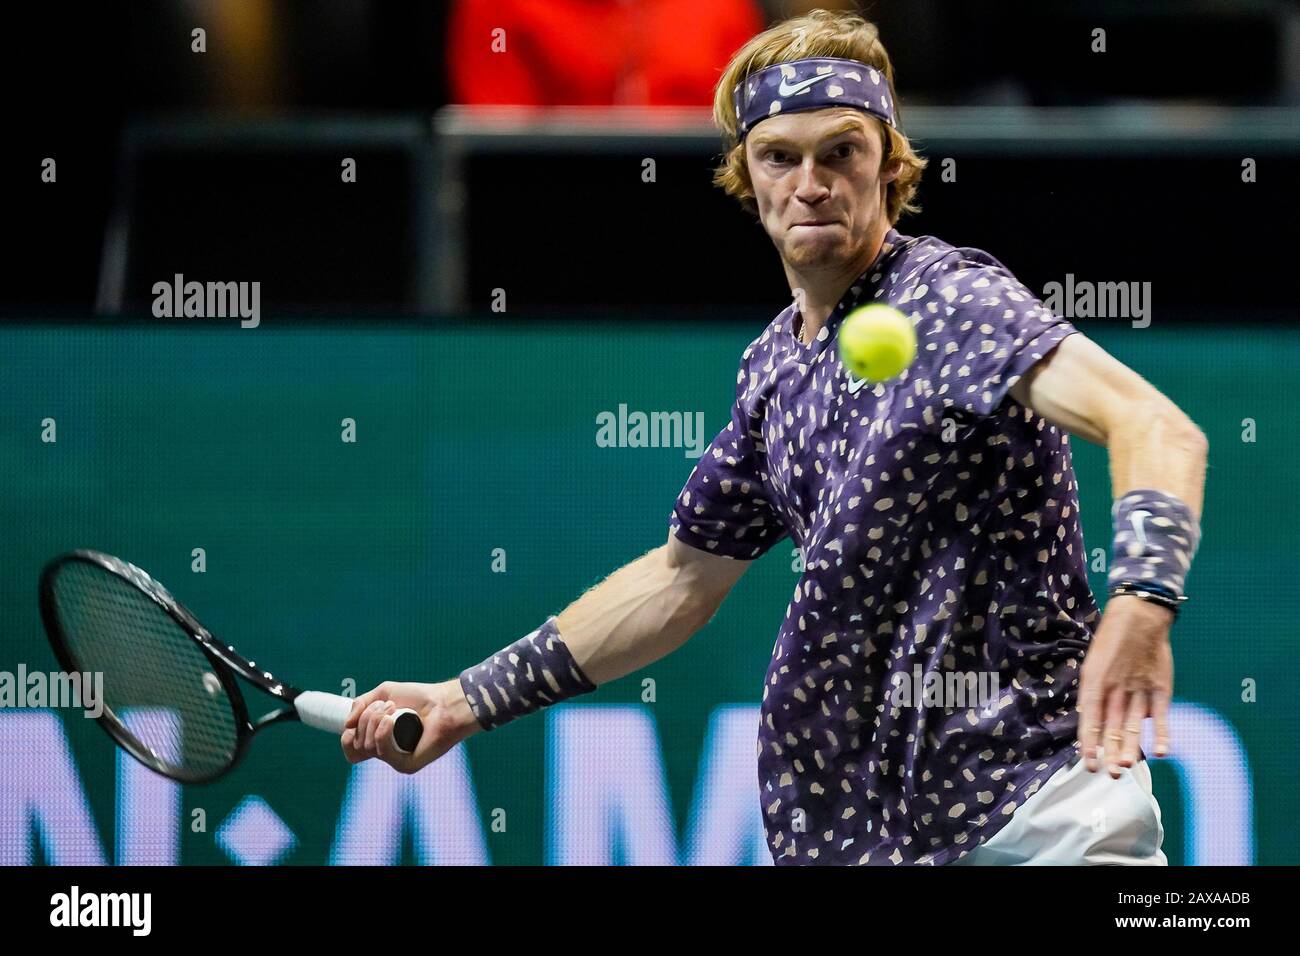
(372, 560)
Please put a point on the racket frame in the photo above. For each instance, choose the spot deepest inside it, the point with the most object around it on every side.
(225, 660)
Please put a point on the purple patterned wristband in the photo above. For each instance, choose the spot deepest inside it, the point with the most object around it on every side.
(534, 672)
(1156, 538)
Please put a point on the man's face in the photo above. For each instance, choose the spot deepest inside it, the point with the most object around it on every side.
(818, 184)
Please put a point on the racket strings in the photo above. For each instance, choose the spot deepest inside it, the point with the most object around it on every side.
(157, 681)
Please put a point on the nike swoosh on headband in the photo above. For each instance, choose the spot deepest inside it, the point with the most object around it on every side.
(786, 89)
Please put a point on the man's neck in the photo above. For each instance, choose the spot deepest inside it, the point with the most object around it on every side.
(818, 291)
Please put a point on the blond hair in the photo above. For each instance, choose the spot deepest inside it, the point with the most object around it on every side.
(821, 33)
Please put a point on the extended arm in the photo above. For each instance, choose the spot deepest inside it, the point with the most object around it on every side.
(1128, 672)
(640, 613)
(646, 609)
(1151, 442)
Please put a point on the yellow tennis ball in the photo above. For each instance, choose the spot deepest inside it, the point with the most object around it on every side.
(876, 342)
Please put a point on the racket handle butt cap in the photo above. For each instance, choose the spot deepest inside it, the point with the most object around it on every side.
(408, 728)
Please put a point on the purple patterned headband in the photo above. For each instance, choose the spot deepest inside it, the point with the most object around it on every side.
(812, 84)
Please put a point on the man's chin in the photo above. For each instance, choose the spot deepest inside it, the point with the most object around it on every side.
(818, 253)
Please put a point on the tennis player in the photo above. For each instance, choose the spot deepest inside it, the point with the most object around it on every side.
(937, 514)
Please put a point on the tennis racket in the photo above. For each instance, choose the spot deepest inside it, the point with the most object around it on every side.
(170, 695)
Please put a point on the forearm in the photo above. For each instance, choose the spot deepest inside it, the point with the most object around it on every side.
(637, 615)
(1151, 443)
(640, 613)
(1161, 448)
(1158, 458)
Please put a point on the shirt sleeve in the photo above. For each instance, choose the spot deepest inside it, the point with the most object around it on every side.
(724, 508)
(983, 329)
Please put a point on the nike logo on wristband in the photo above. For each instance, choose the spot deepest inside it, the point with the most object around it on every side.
(1136, 519)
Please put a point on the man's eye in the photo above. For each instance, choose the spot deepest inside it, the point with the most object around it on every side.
(842, 151)
(778, 157)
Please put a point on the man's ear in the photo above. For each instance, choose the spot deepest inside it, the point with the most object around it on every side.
(889, 170)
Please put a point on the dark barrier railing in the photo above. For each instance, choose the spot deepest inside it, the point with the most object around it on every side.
(610, 210)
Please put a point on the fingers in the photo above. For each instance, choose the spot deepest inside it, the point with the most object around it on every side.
(1090, 719)
(369, 720)
(349, 752)
(1112, 740)
(358, 738)
(1127, 676)
(353, 742)
(387, 747)
(1137, 710)
(369, 729)
(365, 700)
(1160, 711)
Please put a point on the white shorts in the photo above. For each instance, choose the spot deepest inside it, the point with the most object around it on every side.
(1079, 818)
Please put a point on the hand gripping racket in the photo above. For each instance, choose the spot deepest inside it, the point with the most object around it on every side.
(170, 696)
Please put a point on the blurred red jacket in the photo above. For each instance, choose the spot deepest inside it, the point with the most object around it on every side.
(594, 52)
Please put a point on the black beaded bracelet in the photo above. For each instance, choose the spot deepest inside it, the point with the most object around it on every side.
(1156, 595)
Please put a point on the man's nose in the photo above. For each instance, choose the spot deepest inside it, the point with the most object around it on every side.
(811, 187)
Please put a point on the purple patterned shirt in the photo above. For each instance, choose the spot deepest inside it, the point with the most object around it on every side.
(923, 681)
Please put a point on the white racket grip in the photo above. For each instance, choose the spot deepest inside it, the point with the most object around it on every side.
(327, 712)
